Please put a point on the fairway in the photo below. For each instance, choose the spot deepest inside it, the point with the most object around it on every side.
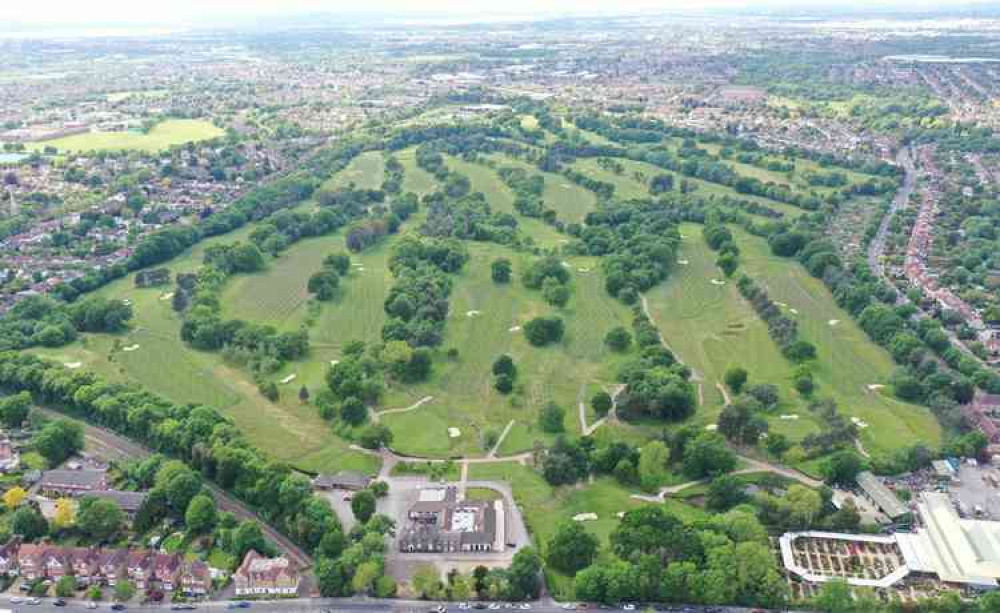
(482, 325)
(287, 430)
(163, 136)
(366, 171)
(570, 201)
(711, 327)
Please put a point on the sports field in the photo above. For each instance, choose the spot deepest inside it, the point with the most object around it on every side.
(163, 136)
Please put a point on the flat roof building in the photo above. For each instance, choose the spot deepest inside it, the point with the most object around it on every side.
(884, 498)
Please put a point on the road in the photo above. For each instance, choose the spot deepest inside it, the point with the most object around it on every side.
(119, 446)
(365, 605)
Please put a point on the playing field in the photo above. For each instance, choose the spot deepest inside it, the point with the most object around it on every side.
(570, 201)
(163, 136)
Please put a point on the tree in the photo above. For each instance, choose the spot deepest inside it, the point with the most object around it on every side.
(618, 339)
(65, 514)
(28, 523)
(571, 548)
(200, 516)
(525, 574)
(842, 468)
(14, 497)
(653, 465)
(375, 436)
(363, 505)
(503, 384)
(551, 418)
(181, 489)
(555, 293)
(124, 591)
(426, 582)
(834, 597)
(66, 586)
(353, 411)
(303, 394)
(14, 409)
(724, 493)
(707, 456)
(601, 403)
(58, 440)
(500, 270)
(544, 330)
(736, 378)
(504, 365)
(248, 536)
(338, 262)
(364, 577)
(100, 519)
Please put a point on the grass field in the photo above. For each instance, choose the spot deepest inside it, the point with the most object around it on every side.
(367, 171)
(463, 394)
(163, 136)
(712, 328)
(570, 201)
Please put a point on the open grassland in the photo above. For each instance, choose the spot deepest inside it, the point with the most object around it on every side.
(163, 136)
(570, 201)
(415, 179)
(848, 362)
(483, 324)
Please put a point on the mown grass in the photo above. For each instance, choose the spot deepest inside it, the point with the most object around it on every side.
(482, 316)
(570, 201)
(164, 135)
(366, 171)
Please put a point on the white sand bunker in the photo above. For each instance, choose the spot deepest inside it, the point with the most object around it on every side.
(793, 311)
(620, 514)
(712, 427)
(167, 296)
(473, 313)
(454, 433)
(565, 264)
(566, 185)
(789, 417)
(683, 262)
(779, 303)
(334, 362)
(585, 517)
(717, 282)
(833, 322)
(875, 387)
(72, 365)
(360, 269)
(859, 423)
(127, 301)
(515, 329)
(130, 348)
(289, 378)
(584, 270)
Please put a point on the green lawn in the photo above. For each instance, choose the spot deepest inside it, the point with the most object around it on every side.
(712, 328)
(482, 314)
(570, 201)
(164, 135)
(367, 171)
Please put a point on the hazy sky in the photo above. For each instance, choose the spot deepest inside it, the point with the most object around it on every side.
(80, 12)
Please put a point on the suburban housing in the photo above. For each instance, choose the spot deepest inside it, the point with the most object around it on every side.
(260, 576)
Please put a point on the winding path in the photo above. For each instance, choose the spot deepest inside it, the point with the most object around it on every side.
(376, 415)
(503, 435)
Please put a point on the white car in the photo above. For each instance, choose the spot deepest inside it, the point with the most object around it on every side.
(494, 606)
(463, 605)
(569, 606)
(524, 606)
(91, 605)
(628, 607)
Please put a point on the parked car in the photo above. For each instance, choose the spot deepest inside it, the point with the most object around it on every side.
(33, 601)
(91, 605)
(59, 602)
(118, 607)
(628, 607)
(16, 600)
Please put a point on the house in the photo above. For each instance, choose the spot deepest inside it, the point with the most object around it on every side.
(73, 482)
(260, 576)
(110, 564)
(344, 480)
(31, 561)
(128, 502)
(167, 570)
(8, 557)
(196, 579)
(84, 564)
(138, 568)
(10, 459)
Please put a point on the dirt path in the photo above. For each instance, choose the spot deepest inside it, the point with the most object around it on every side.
(376, 415)
(861, 448)
(503, 435)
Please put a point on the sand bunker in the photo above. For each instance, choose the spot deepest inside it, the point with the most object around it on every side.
(789, 417)
(683, 262)
(793, 311)
(167, 296)
(334, 362)
(585, 517)
(73, 365)
(712, 427)
(130, 348)
(859, 423)
(833, 322)
(515, 329)
(473, 313)
(289, 378)
(717, 282)
(454, 433)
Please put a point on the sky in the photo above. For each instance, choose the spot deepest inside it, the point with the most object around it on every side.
(193, 12)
